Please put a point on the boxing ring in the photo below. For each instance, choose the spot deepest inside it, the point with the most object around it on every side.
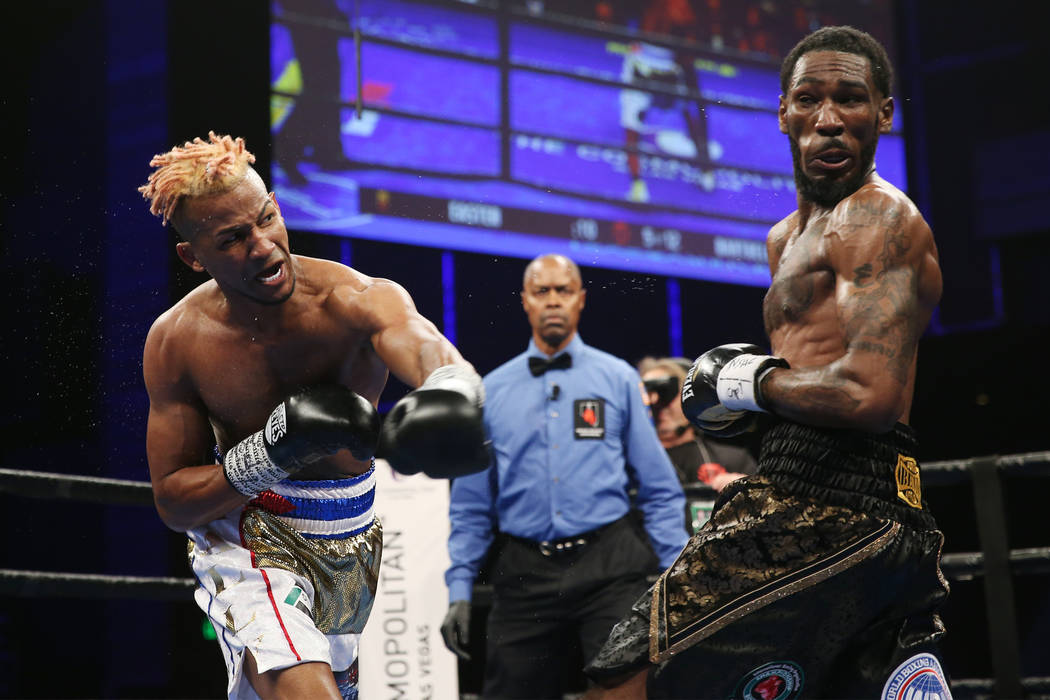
(996, 564)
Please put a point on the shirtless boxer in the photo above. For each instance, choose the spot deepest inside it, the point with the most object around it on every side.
(262, 425)
(819, 577)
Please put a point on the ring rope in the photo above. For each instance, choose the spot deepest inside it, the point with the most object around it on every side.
(96, 489)
(955, 470)
(963, 566)
(47, 584)
(967, 566)
(34, 484)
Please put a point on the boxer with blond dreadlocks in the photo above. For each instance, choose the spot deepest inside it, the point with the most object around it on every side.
(262, 426)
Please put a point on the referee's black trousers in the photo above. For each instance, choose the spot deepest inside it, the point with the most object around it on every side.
(543, 598)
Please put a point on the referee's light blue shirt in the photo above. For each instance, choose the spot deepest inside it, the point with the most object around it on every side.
(553, 476)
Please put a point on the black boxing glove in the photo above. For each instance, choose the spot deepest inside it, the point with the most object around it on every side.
(310, 424)
(437, 429)
(722, 391)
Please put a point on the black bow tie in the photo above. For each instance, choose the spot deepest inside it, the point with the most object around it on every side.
(537, 365)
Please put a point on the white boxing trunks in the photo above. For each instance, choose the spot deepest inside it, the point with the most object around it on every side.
(291, 577)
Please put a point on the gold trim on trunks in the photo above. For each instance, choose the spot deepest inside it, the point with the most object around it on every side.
(344, 572)
(722, 575)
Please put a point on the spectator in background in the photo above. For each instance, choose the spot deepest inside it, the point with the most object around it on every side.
(697, 458)
(571, 434)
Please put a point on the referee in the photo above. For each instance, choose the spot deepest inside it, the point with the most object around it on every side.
(572, 436)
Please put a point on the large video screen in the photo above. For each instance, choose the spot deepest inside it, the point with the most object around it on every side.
(512, 130)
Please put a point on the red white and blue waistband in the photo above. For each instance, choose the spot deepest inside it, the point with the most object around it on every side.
(326, 509)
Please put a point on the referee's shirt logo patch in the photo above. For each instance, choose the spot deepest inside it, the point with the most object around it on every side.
(588, 419)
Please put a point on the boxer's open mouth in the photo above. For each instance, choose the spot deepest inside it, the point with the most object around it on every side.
(832, 160)
(272, 274)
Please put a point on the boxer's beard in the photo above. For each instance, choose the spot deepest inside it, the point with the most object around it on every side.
(828, 193)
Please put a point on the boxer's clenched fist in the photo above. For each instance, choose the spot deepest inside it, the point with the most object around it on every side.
(308, 425)
(437, 429)
(722, 390)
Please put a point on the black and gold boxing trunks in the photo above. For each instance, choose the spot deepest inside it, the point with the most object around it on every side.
(818, 577)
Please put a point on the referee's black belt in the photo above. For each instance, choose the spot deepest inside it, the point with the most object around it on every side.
(566, 545)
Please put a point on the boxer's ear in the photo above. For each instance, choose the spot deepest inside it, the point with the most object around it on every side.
(886, 107)
(187, 256)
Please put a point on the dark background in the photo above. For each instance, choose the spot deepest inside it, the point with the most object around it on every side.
(93, 89)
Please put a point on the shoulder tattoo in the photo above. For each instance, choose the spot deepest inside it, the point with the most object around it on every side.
(881, 315)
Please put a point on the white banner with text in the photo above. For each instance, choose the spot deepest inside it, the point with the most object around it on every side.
(402, 656)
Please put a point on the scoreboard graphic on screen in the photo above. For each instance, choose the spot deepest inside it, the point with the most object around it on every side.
(491, 129)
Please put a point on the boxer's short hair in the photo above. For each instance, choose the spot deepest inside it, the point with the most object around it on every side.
(848, 40)
(197, 167)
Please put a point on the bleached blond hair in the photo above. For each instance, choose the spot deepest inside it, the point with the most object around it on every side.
(198, 167)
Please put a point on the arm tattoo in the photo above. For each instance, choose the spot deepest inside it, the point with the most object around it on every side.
(881, 315)
(877, 348)
(896, 245)
(823, 399)
(815, 394)
(862, 275)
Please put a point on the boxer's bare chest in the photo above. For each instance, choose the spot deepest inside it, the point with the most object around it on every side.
(241, 373)
(800, 299)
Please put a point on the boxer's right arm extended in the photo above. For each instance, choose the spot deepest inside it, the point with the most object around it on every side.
(436, 429)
